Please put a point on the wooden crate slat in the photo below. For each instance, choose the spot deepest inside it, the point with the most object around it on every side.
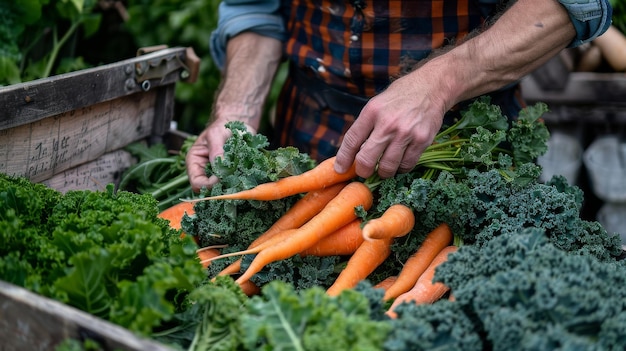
(94, 175)
(30, 101)
(31, 322)
(41, 149)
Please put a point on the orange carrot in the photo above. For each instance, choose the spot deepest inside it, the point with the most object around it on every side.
(302, 211)
(249, 288)
(344, 241)
(175, 213)
(361, 264)
(274, 240)
(337, 213)
(425, 291)
(415, 265)
(231, 269)
(204, 254)
(319, 177)
(298, 214)
(386, 283)
(397, 220)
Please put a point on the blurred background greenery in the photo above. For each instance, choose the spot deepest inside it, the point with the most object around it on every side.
(41, 38)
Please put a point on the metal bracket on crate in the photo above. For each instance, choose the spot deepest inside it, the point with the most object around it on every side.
(159, 64)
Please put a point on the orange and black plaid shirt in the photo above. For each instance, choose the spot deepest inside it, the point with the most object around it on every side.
(357, 47)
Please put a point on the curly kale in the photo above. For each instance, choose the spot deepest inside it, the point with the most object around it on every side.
(527, 137)
(528, 294)
(301, 272)
(103, 252)
(485, 204)
(443, 325)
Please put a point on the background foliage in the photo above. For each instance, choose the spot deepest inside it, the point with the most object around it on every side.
(40, 38)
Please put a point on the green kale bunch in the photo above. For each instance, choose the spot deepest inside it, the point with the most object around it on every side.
(282, 318)
(525, 293)
(443, 325)
(482, 205)
(106, 253)
(302, 272)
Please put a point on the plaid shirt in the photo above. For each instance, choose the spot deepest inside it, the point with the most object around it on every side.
(358, 47)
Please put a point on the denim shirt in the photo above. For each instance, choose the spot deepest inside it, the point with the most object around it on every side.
(590, 18)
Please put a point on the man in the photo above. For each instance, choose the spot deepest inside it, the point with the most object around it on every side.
(371, 81)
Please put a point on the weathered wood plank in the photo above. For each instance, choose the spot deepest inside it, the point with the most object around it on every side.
(41, 149)
(32, 322)
(31, 101)
(581, 88)
(94, 175)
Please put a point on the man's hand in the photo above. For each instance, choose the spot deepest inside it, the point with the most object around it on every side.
(396, 126)
(208, 145)
(393, 129)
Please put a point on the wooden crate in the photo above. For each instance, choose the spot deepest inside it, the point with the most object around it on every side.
(68, 131)
(577, 97)
(32, 322)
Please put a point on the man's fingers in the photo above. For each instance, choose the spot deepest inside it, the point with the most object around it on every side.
(351, 145)
(390, 161)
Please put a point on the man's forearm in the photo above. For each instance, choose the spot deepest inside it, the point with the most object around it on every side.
(251, 63)
(522, 39)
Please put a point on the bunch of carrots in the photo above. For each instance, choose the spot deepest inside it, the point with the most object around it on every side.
(324, 222)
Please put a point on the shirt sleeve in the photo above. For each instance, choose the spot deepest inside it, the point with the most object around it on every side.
(591, 18)
(237, 16)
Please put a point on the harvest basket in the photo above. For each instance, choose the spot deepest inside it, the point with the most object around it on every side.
(68, 131)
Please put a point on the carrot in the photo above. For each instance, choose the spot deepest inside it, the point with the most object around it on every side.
(425, 291)
(337, 213)
(302, 211)
(344, 241)
(231, 269)
(386, 283)
(206, 253)
(415, 265)
(298, 214)
(175, 213)
(274, 240)
(361, 264)
(319, 177)
(249, 288)
(397, 220)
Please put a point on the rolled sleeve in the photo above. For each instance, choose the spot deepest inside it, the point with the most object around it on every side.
(591, 18)
(237, 16)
